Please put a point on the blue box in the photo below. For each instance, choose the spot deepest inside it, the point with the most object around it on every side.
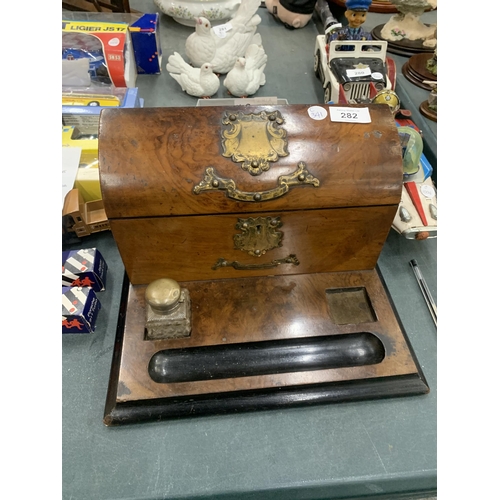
(145, 35)
(84, 268)
(79, 310)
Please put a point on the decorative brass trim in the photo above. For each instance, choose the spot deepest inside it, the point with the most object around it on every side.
(291, 259)
(254, 139)
(258, 235)
(212, 182)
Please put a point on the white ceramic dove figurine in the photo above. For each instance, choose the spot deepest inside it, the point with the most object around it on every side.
(227, 44)
(200, 45)
(198, 82)
(247, 75)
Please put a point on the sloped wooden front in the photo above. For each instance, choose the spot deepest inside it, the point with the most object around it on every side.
(187, 248)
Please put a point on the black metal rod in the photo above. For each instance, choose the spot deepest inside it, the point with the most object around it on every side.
(431, 305)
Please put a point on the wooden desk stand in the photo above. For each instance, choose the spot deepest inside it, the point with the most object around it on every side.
(273, 219)
(266, 311)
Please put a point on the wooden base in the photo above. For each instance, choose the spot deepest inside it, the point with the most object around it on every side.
(415, 70)
(428, 112)
(402, 47)
(263, 343)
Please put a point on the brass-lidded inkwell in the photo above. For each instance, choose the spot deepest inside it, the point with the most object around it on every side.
(168, 310)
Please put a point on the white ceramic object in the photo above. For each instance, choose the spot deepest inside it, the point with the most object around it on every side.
(221, 50)
(198, 82)
(186, 11)
(247, 76)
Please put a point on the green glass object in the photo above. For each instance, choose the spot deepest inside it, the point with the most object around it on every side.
(412, 147)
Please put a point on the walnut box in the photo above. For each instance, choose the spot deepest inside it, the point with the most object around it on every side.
(210, 193)
(273, 218)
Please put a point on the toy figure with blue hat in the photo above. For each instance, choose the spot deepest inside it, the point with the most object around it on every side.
(356, 16)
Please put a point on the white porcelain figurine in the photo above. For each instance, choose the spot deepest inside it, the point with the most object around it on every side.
(406, 24)
(222, 45)
(186, 11)
(247, 75)
(198, 82)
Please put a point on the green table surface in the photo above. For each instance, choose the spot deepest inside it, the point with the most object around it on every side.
(372, 449)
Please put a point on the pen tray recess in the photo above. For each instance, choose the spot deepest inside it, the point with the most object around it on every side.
(264, 358)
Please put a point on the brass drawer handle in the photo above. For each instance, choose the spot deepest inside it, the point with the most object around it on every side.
(212, 182)
(291, 259)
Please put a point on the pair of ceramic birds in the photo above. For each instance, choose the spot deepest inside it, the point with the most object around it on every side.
(235, 50)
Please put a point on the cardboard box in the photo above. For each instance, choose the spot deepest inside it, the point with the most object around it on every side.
(87, 117)
(143, 30)
(106, 48)
(80, 306)
(87, 182)
(84, 268)
(145, 35)
(87, 175)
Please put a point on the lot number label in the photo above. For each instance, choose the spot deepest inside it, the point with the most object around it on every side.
(351, 115)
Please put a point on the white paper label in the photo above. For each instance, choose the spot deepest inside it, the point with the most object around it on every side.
(70, 163)
(427, 191)
(352, 73)
(351, 115)
(222, 29)
(377, 76)
(317, 112)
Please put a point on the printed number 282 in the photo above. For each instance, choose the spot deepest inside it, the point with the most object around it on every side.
(353, 116)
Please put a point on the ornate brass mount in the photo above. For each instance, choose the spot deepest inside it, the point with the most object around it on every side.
(212, 182)
(258, 235)
(291, 259)
(254, 139)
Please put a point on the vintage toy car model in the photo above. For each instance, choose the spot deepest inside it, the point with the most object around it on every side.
(70, 99)
(416, 218)
(417, 213)
(97, 64)
(352, 72)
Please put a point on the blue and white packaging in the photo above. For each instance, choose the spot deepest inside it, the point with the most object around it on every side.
(80, 306)
(85, 267)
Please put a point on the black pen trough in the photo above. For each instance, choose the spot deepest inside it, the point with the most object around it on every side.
(264, 358)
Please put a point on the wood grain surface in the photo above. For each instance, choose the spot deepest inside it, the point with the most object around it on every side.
(150, 159)
(186, 248)
(254, 310)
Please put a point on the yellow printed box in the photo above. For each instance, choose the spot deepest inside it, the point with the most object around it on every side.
(87, 177)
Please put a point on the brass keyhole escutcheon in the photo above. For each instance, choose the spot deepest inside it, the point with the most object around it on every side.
(258, 235)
